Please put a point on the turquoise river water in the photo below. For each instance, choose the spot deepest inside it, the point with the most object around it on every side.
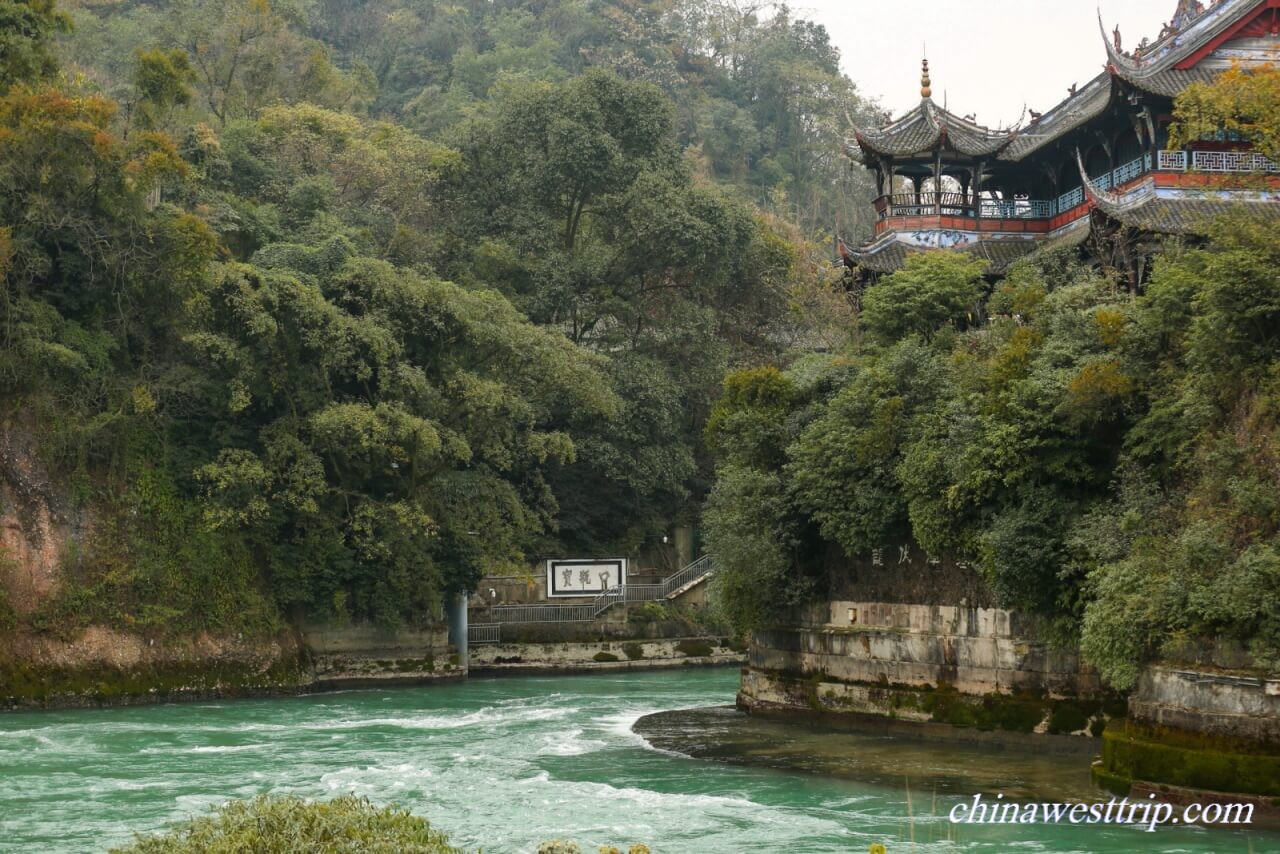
(505, 763)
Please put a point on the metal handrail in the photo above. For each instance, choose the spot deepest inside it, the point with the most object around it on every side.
(478, 633)
(586, 612)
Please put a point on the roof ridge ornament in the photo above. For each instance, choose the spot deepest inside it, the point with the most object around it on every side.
(925, 91)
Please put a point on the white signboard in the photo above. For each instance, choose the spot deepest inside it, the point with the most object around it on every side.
(586, 577)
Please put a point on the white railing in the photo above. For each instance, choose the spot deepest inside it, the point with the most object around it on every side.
(1232, 161)
(702, 566)
(478, 633)
(543, 613)
(585, 613)
(1172, 161)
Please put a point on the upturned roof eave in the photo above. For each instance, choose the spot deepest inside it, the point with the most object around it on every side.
(938, 125)
(1213, 22)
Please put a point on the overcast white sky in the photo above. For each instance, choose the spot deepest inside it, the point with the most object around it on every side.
(987, 56)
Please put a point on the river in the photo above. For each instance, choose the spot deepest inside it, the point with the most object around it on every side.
(504, 763)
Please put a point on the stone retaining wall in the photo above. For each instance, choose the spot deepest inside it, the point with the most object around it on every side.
(1211, 703)
(1206, 735)
(598, 655)
(974, 650)
(363, 655)
(984, 668)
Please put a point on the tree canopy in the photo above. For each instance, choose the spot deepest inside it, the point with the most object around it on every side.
(335, 307)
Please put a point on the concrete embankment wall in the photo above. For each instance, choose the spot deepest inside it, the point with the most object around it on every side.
(103, 666)
(986, 668)
(1218, 704)
(365, 656)
(564, 657)
(107, 667)
(1198, 735)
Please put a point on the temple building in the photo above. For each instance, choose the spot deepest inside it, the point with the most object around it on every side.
(1096, 171)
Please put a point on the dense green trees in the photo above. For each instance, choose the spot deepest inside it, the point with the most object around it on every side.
(760, 101)
(27, 29)
(230, 235)
(1106, 462)
(363, 435)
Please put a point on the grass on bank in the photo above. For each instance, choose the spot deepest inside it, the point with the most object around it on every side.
(283, 825)
(271, 824)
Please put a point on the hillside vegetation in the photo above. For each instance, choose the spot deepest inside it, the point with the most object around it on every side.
(325, 309)
(1108, 462)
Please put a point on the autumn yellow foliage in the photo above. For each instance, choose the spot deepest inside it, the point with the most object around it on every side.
(1242, 103)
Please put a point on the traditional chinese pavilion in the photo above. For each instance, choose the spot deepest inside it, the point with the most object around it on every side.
(1095, 171)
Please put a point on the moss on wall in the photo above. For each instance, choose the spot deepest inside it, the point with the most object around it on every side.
(1024, 712)
(23, 684)
(1107, 781)
(1010, 712)
(1131, 753)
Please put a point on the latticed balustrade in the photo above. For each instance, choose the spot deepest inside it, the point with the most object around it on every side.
(959, 204)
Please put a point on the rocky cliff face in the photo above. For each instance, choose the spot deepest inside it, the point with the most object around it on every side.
(42, 538)
(37, 528)
(45, 541)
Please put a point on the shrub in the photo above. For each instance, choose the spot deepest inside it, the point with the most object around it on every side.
(694, 648)
(651, 612)
(276, 825)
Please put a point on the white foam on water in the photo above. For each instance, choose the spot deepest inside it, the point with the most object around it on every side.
(381, 780)
(488, 716)
(204, 748)
(569, 743)
(224, 748)
(619, 724)
(477, 773)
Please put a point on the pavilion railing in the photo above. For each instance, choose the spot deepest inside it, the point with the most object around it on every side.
(959, 204)
(925, 204)
(928, 204)
(1069, 200)
(1216, 161)
(1232, 161)
(1015, 209)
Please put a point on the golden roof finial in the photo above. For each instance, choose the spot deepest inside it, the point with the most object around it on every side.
(925, 91)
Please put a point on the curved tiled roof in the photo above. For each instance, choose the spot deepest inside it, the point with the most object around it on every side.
(1169, 82)
(928, 126)
(1089, 102)
(888, 254)
(1144, 208)
(1157, 61)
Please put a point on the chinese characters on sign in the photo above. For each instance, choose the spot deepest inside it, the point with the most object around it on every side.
(904, 558)
(585, 577)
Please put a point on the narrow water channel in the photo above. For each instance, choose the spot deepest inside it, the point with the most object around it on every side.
(505, 763)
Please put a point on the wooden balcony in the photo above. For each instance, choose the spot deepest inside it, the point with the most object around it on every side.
(958, 211)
